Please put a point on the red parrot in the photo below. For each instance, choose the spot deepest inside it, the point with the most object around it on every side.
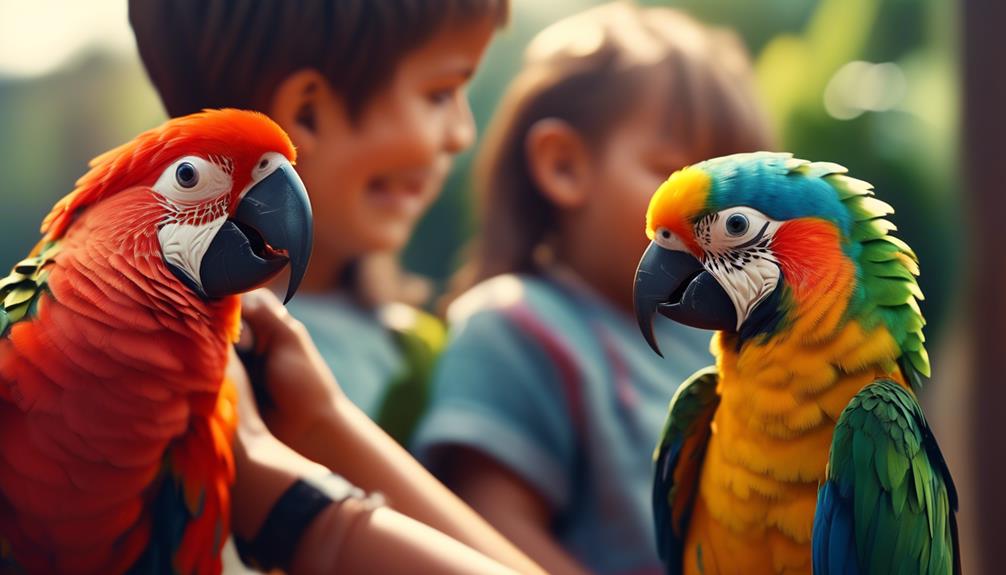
(116, 421)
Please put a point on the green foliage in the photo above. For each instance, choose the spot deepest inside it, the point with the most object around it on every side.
(52, 126)
(909, 151)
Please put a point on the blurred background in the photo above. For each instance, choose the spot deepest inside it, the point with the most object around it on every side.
(874, 85)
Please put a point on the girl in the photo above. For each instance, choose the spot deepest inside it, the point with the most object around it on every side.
(547, 402)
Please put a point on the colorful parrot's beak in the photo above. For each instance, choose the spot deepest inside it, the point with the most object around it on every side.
(271, 227)
(676, 285)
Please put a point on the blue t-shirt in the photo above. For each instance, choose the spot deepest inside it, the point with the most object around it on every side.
(358, 348)
(560, 387)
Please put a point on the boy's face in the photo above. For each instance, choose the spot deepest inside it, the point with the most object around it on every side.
(371, 180)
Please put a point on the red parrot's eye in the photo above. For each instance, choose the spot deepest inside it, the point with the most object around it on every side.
(186, 175)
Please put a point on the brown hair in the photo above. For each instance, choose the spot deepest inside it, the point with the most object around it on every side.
(234, 53)
(588, 70)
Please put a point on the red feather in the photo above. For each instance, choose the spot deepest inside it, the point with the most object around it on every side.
(804, 248)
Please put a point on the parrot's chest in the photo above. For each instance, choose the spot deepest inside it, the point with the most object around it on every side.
(103, 461)
(758, 490)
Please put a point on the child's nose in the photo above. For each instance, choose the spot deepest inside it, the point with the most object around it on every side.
(460, 127)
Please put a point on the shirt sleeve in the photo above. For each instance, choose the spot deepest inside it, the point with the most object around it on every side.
(498, 393)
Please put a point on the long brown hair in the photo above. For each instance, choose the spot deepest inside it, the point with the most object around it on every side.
(588, 71)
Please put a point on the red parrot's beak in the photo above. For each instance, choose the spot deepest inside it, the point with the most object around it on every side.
(271, 227)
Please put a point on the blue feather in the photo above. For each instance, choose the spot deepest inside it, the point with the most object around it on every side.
(172, 516)
(766, 182)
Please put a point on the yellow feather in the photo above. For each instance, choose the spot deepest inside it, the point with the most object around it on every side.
(795, 518)
(804, 417)
(772, 402)
(771, 376)
(834, 400)
(788, 556)
(813, 383)
(877, 345)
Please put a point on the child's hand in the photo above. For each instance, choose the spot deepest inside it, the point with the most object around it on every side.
(310, 413)
(295, 384)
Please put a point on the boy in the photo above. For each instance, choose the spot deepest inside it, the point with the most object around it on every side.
(372, 94)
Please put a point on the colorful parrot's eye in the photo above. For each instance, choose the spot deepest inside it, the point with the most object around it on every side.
(737, 224)
(186, 175)
(666, 234)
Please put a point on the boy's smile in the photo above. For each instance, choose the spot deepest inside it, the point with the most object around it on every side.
(406, 194)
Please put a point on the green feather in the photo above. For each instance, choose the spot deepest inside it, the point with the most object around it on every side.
(885, 538)
(920, 361)
(8, 283)
(18, 296)
(891, 268)
(901, 507)
(849, 187)
(17, 313)
(872, 230)
(21, 289)
(816, 169)
(897, 465)
(889, 292)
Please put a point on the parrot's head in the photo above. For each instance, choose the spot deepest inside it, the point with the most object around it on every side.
(214, 194)
(744, 243)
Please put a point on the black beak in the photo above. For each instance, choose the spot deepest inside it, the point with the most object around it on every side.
(271, 227)
(675, 284)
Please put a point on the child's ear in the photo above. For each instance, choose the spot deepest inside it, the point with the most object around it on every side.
(295, 106)
(559, 162)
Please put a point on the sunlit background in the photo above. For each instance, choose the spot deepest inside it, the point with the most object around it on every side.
(870, 84)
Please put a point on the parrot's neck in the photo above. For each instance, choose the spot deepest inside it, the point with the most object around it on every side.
(149, 337)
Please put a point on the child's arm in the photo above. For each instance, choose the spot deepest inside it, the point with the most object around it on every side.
(350, 536)
(512, 506)
(314, 417)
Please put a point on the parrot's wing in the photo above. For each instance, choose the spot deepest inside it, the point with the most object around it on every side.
(21, 289)
(679, 457)
(888, 504)
(192, 505)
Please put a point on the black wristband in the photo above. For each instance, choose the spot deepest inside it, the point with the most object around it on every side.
(277, 540)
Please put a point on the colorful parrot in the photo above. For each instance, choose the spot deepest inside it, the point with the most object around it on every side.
(116, 421)
(805, 446)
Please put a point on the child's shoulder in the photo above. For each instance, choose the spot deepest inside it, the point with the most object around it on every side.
(529, 315)
(503, 296)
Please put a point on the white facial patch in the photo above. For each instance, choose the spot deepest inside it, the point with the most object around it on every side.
(266, 165)
(195, 193)
(192, 180)
(737, 246)
(184, 245)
